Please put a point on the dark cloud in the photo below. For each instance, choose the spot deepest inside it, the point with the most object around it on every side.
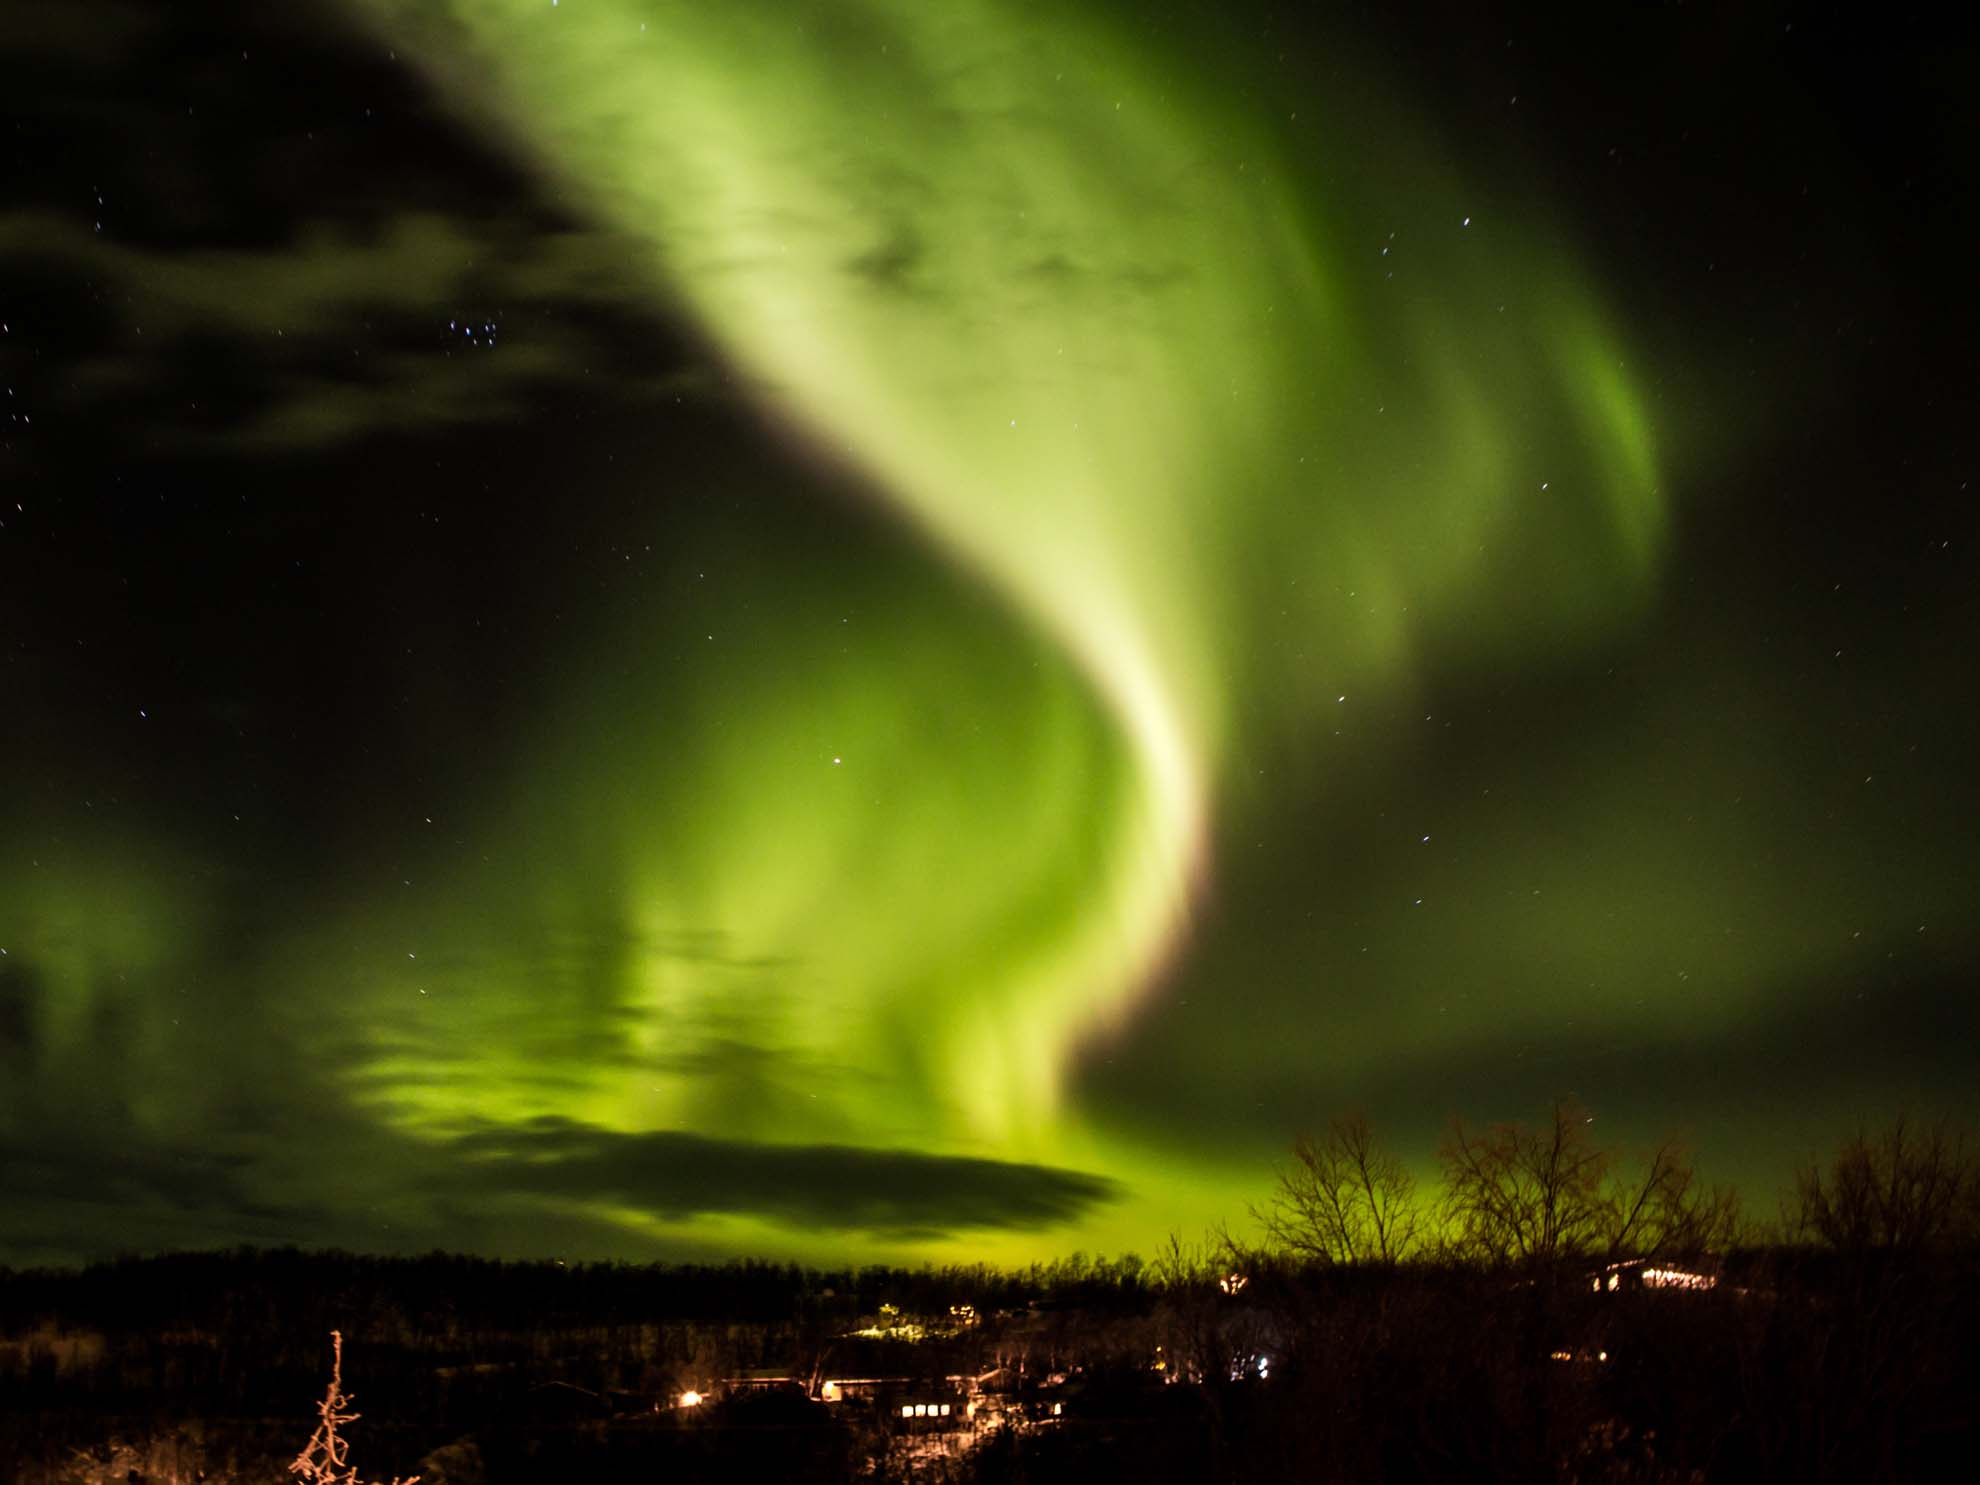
(304, 253)
(672, 1175)
(68, 1201)
(342, 332)
(891, 264)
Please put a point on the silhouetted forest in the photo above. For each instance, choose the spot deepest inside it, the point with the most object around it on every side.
(1584, 1321)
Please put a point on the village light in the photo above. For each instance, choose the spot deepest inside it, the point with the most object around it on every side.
(1677, 1278)
(690, 1399)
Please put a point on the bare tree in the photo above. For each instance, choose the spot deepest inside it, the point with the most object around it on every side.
(1206, 1331)
(1344, 1199)
(1515, 1194)
(1665, 1211)
(1905, 1190)
(325, 1459)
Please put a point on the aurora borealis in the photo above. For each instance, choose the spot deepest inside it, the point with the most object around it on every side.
(859, 629)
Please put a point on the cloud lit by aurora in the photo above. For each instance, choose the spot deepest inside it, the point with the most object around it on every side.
(1208, 431)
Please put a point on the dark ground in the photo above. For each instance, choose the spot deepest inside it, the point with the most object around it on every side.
(1795, 1367)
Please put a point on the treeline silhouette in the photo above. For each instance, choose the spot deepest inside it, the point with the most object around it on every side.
(1552, 1312)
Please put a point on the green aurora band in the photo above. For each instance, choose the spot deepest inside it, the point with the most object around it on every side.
(1228, 407)
(1231, 409)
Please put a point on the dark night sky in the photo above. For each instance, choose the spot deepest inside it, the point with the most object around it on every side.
(635, 629)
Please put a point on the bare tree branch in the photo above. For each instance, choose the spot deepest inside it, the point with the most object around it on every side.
(1344, 1199)
(1907, 1191)
(1514, 1194)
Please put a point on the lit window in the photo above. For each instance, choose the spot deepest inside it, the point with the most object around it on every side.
(1676, 1278)
(906, 1411)
(1058, 1408)
(945, 1410)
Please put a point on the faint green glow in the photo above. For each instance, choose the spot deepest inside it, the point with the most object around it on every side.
(1234, 409)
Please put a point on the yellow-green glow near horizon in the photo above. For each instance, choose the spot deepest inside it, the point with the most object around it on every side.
(1235, 408)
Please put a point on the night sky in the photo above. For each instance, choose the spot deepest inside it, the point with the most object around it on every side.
(653, 629)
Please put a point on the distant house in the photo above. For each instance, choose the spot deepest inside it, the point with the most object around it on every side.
(928, 1410)
(1647, 1273)
(868, 1391)
(562, 1402)
(921, 1404)
(764, 1379)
